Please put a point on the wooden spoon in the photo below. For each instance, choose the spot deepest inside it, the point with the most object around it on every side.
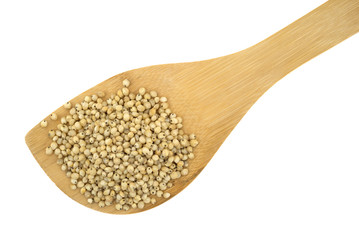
(213, 95)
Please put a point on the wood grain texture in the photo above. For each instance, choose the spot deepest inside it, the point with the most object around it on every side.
(213, 95)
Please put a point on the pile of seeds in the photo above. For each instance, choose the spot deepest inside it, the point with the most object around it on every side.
(124, 150)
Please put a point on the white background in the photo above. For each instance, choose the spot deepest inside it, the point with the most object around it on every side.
(290, 169)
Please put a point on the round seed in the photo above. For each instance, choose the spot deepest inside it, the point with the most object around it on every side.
(43, 123)
(121, 150)
(53, 116)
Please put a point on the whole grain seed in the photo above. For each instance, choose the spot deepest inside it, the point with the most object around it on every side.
(125, 150)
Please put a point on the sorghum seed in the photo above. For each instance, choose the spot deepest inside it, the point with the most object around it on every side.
(126, 83)
(43, 123)
(67, 105)
(53, 116)
(123, 150)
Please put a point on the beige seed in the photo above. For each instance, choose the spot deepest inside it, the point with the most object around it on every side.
(175, 175)
(123, 149)
(159, 193)
(51, 133)
(67, 105)
(125, 91)
(53, 145)
(193, 143)
(141, 205)
(126, 117)
(101, 204)
(153, 94)
(118, 207)
(184, 172)
(53, 116)
(126, 83)
(43, 123)
(142, 91)
(49, 151)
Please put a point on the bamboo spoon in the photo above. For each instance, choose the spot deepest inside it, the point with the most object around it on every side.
(213, 95)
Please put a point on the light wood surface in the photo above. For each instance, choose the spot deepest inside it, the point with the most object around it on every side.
(213, 95)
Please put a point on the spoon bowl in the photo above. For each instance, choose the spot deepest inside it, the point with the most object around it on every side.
(213, 95)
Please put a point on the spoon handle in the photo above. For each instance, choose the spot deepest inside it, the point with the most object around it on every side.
(314, 33)
(248, 74)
